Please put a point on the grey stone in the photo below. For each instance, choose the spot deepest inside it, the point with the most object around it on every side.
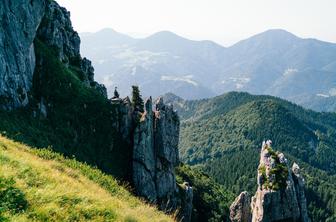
(144, 171)
(271, 204)
(155, 155)
(240, 210)
(300, 187)
(19, 22)
(56, 31)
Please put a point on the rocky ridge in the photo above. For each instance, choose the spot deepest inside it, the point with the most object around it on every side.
(154, 144)
(280, 194)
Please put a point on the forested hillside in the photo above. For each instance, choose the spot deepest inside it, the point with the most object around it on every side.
(222, 136)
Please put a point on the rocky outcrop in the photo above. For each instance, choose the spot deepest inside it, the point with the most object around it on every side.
(57, 32)
(22, 21)
(280, 194)
(155, 155)
(186, 194)
(299, 187)
(240, 209)
(144, 156)
(19, 22)
(124, 112)
(166, 138)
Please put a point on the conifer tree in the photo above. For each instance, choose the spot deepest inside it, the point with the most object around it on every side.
(115, 94)
(137, 102)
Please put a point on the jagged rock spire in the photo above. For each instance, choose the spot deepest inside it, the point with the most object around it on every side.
(155, 155)
(280, 194)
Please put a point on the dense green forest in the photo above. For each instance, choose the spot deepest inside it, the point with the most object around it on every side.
(223, 136)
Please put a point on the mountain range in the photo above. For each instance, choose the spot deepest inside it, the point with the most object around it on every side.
(274, 62)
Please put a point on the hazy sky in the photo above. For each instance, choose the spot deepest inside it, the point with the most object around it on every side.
(224, 21)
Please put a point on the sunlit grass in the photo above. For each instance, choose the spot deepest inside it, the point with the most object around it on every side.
(59, 189)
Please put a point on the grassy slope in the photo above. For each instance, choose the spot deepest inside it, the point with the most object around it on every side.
(223, 136)
(80, 121)
(59, 189)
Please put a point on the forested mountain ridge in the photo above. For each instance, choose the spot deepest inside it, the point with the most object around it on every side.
(222, 137)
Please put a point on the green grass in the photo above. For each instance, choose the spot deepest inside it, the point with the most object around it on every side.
(40, 185)
(80, 122)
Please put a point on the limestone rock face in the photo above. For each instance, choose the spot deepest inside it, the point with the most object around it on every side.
(144, 161)
(167, 127)
(275, 198)
(240, 209)
(299, 187)
(22, 21)
(155, 155)
(280, 194)
(57, 32)
(19, 22)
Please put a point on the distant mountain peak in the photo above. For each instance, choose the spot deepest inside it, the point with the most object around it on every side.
(272, 35)
(111, 32)
(278, 33)
(165, 35)
(107, 31)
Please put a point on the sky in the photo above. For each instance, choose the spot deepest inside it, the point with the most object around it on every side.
(223, 21)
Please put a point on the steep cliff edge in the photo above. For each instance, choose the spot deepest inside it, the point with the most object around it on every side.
(155, 155)
(56, 31)
(19, 22)
(280, 194)
(22, 22)
(155, 136)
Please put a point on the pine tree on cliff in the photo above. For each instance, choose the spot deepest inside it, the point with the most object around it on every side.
(115, 94)
(137, 102)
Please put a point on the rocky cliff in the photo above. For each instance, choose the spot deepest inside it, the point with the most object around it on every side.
(155, 154)
(280, 194)
(22, 22)
(56, 31)
(155, 136)
(19, 22)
